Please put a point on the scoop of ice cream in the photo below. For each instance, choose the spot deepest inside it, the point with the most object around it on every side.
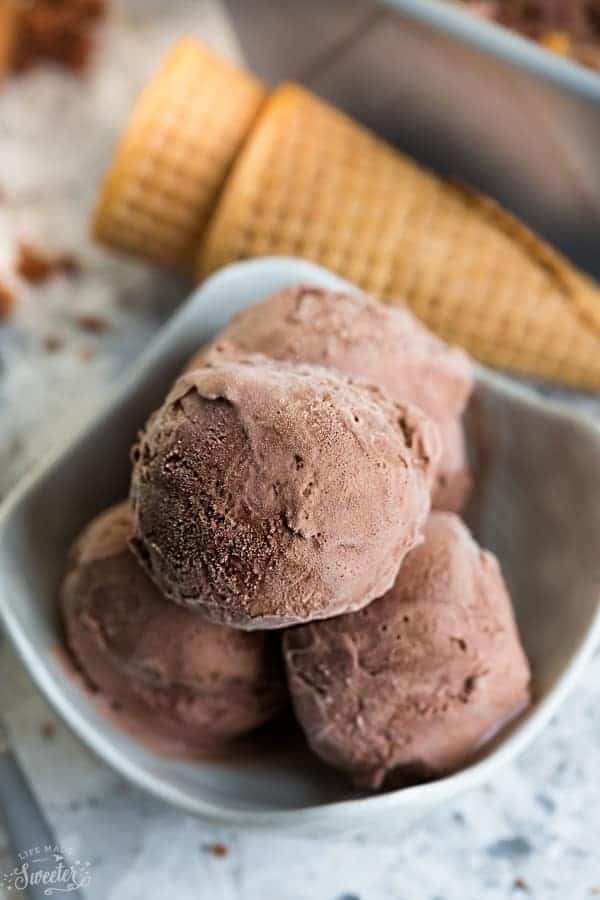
(172, 674)
(361, 337)
(267, 494)
(422, 677)
(358, 336)
(453, 483)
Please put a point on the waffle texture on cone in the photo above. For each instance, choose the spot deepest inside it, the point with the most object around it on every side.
(180, 142)
(310, 182)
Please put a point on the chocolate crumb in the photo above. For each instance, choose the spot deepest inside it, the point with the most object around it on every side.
(67, 264)
(7, 302)
(92, 323)
(37, 267)
(59, 31)
(218, 850)
(48, 730)
(52, 343)
(32, 265)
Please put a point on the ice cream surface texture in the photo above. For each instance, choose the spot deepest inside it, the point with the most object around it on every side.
(422, 677)
(359, 336)
(267, 494)
(454, 480)
(172, 674)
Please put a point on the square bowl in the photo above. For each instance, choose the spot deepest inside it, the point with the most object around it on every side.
(535, 504)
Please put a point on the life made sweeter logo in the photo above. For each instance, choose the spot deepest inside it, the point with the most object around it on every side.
(49, 868)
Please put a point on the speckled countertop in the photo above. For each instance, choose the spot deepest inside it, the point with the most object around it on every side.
(534, 833)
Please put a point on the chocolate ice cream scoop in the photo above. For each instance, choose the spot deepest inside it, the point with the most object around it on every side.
(266, 494)
(422, 677)
(359, 336)
(172, 674)
(454, 481)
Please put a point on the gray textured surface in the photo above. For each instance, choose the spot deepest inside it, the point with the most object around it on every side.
(539, 822)
(534, 833)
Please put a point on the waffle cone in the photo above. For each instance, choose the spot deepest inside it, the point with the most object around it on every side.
(312, 183)
(182, 137)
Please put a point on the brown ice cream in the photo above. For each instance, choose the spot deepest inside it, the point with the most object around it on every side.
(267, 494)
(422, 677)
(453, 482)
(173, 674)
(358, 336)
(361, 337)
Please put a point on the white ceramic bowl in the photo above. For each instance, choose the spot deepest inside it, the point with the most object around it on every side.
(536, 505)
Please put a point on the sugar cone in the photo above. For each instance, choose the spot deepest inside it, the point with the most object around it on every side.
(182, 137)
(312, 183)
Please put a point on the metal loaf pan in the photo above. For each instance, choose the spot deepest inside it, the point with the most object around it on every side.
(466, 97)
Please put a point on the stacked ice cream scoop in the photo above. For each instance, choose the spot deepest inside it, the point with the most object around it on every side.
(279, 529)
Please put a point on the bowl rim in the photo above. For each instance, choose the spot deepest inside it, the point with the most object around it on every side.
(357, 809)
(502, 43)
